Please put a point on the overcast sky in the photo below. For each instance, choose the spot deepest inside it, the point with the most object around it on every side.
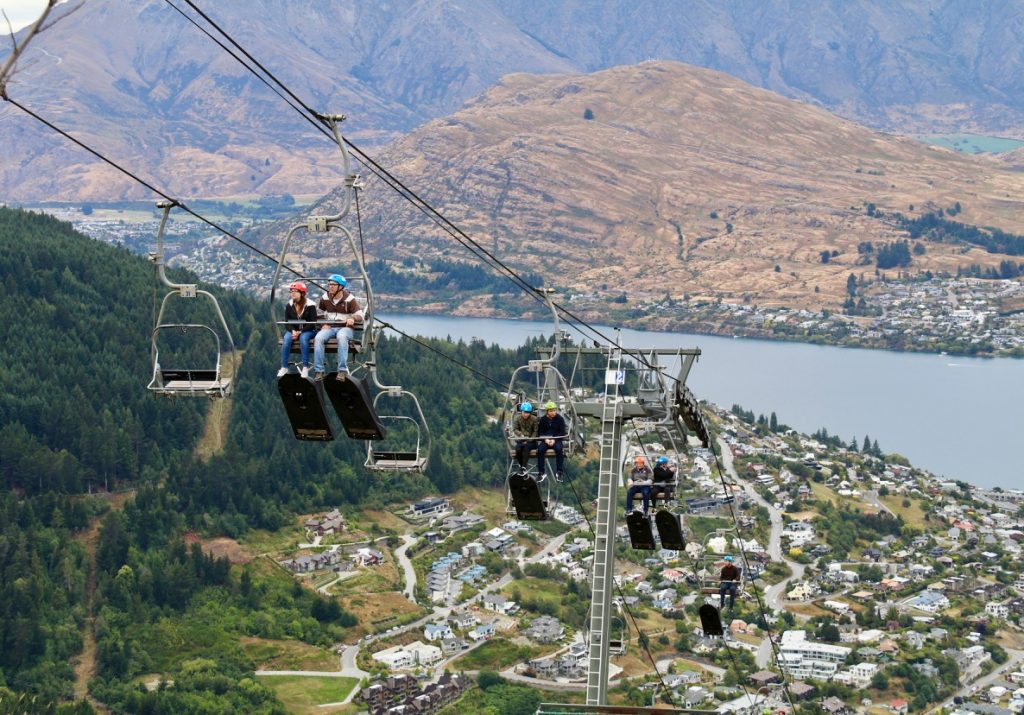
(21, 12)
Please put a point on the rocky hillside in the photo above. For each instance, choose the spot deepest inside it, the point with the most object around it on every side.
(136, 80)
(683, 180)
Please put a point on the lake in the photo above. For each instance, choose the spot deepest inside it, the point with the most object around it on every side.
(956, 416)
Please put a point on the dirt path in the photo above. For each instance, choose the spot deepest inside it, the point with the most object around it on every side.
(215, 431)
(85, 663)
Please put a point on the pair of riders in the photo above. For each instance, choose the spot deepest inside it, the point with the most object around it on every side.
(547, 432)
(643, 480)
(336, 315)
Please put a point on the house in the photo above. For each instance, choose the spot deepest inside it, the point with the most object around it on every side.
(429, 507)
(801, 658)
(858, 675)
(466, 520)
(545, 629)
(803, 591)
(483, 632)
(367, 557)
(464, 619)
(929, 601)
(695, 695)
(330, 523)
(544, 667)
(997, 610)
(834, 706)
(899, 706)
(763, 678)
(915, 639)
(437, 631)
(839, 607)
(500, 604)
(392, 689)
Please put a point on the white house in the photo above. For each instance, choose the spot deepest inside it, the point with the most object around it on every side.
(437, 632)
(998, 610)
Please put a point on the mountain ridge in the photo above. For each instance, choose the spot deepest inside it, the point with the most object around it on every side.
(137, 82)
(683, 177)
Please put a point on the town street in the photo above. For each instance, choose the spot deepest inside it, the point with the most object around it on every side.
(410, 573)
(773, 596)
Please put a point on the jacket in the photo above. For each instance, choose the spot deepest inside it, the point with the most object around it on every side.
(304, 322)
(641, 476)
(337, 311)
(525, 424)
(730, 573)
(664, 475)
(552, 426)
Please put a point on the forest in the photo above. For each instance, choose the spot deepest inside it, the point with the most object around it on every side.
(933, 227)
(105, 493)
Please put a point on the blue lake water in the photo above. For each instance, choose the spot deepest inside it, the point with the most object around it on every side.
(958, 417)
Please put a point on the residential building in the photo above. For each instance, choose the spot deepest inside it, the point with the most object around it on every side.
(802, 658)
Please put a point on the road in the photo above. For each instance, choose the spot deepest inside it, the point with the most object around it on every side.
(871, 497)
(403, 560)
(773, 594)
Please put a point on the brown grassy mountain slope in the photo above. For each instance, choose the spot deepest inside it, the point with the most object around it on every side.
(685, 180)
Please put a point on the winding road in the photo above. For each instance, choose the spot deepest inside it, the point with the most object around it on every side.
(401, 555)
(773, 595)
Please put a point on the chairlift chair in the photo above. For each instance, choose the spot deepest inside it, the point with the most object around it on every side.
(708, 564)
(409, 455)
(187, 380)
(351, 397)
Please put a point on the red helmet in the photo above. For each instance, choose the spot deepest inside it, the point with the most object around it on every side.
(299, 286)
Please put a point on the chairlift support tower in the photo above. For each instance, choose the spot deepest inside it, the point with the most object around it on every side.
(660, 404)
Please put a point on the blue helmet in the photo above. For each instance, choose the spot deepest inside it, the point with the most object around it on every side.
(661, 460)
(526, 407)
(339, 279)
(729, 559)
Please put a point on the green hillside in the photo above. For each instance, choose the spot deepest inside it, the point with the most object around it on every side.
(114, 582)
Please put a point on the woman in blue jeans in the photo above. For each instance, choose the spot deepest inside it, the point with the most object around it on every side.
(300, 315)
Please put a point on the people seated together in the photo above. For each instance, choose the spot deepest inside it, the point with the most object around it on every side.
(338, 314)
(648, 483)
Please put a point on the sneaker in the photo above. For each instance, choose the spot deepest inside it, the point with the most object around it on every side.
(342, 375)
(304, 371)
(282, 372)
(559, 476)
(318, 376)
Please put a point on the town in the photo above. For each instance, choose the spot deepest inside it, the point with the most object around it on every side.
(870, 586)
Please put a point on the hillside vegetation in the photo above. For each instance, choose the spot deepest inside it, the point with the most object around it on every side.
(76, 418)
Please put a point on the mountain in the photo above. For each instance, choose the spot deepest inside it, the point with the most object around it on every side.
(684, 180)
(137, 81)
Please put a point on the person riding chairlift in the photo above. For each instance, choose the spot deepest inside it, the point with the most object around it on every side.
(300, 314)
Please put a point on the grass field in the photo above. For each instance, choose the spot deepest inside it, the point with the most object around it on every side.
(304, 694)
(973, 143)
(288, 655)
(912, 515)
(496, 654)
(261, 541)
(369, 608)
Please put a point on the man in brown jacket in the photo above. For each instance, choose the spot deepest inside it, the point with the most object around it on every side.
(730, 578)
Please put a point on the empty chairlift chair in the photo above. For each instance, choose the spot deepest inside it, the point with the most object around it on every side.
(184, 373)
